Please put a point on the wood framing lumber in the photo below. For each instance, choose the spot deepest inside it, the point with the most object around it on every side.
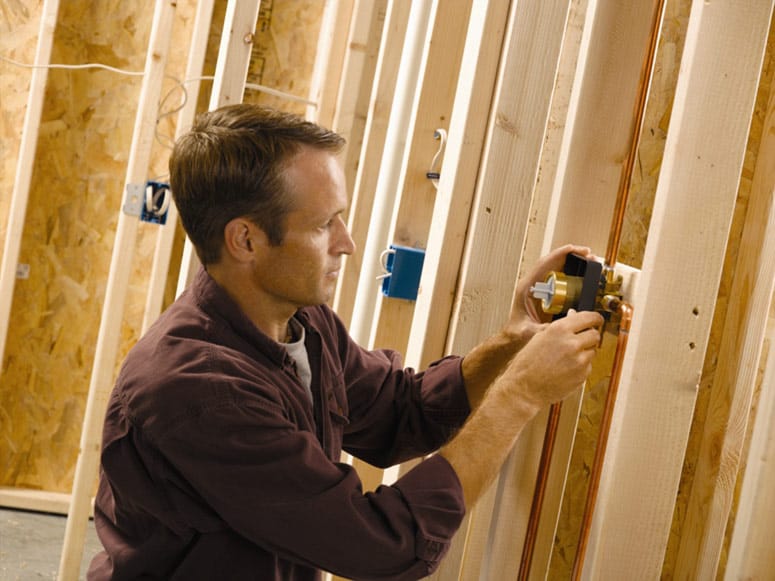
(457, 184)
(387, 178)
(166, 234)
(370, 159)
(387, 183)
(357, 80)
(412, 208)
(555, 131)
(506, 182)
(597, 137)
(233, 63)
(332, 44)
(26, 160)
(482, 553)
(484, 39)
(734, 381)
(189, 263)
(750, 554)
(34, 500)
(231, 71)
(598, 130)
(115, 295)
(677, 287)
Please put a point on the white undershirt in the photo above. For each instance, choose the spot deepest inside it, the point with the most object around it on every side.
(298, 352)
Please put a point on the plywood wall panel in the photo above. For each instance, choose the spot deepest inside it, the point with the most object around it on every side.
(19, 23)
(76, 195)
(284, 51)
(74, 202)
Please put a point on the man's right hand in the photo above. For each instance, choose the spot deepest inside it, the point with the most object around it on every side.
(553, 363)
(556, 361)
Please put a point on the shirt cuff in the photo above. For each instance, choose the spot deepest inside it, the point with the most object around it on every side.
(443, 392)
(434, 495)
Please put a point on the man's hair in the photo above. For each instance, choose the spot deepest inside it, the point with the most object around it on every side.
(231, 164)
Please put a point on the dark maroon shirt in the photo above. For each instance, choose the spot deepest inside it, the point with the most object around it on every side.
(215, 464)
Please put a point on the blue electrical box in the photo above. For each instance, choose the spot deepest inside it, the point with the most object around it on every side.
(403, 268)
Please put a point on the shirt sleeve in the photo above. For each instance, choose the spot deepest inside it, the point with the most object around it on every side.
(242, 465)
(396, 413)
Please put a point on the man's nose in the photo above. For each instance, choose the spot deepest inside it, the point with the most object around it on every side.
(346, 244)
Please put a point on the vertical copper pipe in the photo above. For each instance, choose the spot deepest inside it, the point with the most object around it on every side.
(625, 310)
(540, 489)
(640, 107)
(612, 252)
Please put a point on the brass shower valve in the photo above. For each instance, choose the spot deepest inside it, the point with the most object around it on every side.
(583, 285)
(558, 293)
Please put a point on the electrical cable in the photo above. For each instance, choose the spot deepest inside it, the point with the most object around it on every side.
(163, 140)
(167, 141)
(252, 86)
(73, 67)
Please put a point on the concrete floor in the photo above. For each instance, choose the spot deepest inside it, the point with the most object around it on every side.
(31, 544)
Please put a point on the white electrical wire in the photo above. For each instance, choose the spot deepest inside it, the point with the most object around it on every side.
(166, 140)
(253, 86)
(264, 89)
(82, 66)
(432, 174)
(281, 94)
(163, 140)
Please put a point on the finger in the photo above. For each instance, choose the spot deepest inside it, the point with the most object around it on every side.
(533, 310)
(589, 339)
(578, 321)
(563, 251)
(555, 260)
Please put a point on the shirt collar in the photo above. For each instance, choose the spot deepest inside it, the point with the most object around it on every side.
(214, 300)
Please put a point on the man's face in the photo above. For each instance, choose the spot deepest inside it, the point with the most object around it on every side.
(303, 269)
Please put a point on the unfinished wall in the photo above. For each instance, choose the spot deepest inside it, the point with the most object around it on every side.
(76, 193)
(633, 243)
(284, 51)
(19, 24)
(724, 300)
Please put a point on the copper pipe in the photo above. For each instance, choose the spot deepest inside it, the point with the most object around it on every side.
(626, 311)
(615, 234)
(612, 252)
(540, 489)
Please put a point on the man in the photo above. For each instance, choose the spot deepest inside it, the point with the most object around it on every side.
(224, 431)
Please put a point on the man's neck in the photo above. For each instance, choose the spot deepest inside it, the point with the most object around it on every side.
(270, 318)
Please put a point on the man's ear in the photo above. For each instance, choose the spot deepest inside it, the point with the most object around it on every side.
(242, 239)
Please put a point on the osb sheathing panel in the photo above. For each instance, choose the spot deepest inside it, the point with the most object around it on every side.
(284, 51)
(19, 23)
(76, 193)
(632, 247)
